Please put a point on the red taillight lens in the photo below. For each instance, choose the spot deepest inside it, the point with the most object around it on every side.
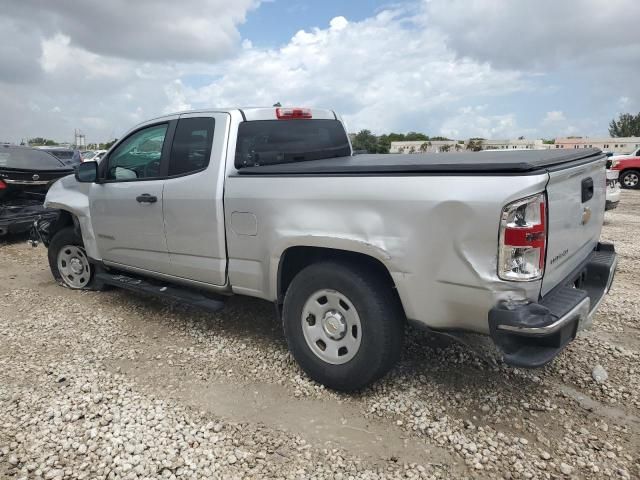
(523, 239)
(289, 113)
(2, 185)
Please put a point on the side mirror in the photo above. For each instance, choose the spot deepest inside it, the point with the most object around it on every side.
(87, 172)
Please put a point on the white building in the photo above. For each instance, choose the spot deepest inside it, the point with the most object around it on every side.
(428, 146)
(436, 146)
(607, 144)
(515, 144)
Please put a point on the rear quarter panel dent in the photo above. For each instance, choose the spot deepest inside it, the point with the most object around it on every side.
(437, 236)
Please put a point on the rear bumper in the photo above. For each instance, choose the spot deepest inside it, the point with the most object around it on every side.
(613, 194)
(610, 205)
(532, 334)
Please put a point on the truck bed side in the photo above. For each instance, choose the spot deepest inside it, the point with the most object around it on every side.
(436, 235)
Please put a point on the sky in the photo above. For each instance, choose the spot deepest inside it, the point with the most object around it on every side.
(455, 68)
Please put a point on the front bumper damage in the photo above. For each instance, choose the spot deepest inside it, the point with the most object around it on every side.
(18, 215)
(41, 231)
(532, 334)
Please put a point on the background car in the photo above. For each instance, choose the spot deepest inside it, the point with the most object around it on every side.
(617, 156)
(629, 168)
(69, 156)
(613, 190)
(92, 155)
(25, 176)
(87, 155)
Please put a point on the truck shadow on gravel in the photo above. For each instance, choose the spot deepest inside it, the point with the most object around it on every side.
(235, 364)
(429, 362)
(253, 322)
(14, 239)
(435, 373)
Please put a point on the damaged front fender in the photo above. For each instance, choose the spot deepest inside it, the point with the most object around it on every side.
(73, 197)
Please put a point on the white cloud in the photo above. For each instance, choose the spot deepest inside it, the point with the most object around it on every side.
(624, 102)
(530, 34)
(19, 49)
(176, 94)
(386, 72)
(188, 30)
(456, 68)
(338, 23)
(475, 122)
(59, 57)
(554, 116)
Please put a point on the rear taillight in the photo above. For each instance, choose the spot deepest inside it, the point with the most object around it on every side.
(523, 239)
(291, 113)
(2, 185)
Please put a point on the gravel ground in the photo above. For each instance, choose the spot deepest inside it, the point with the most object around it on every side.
(115, 385)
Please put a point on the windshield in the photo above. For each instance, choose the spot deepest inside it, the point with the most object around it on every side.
(28, 158)
(269, 142)
(61, 154)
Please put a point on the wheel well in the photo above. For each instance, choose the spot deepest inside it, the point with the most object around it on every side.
(65, 219)
(294, 259)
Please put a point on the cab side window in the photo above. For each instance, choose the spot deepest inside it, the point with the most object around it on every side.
(191, 147)
(138, 157)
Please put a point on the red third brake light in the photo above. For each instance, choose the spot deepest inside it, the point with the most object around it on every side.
(292, 113)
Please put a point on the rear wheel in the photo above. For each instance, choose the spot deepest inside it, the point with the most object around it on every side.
(68, 261)
(343, 323)
(630, 179)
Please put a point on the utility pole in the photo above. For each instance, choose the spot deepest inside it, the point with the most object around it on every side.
(79, 139)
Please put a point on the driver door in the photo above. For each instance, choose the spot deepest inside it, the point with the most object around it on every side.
(126, 206)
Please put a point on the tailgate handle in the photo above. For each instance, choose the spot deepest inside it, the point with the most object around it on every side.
(587, 189)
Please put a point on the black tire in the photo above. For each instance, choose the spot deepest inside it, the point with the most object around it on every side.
(380, 314)
(64, 238)
(630, 179)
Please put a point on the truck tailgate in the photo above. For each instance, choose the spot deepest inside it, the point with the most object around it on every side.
(576, 199)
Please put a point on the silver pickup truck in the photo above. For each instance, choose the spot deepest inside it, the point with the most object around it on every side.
(270, 203)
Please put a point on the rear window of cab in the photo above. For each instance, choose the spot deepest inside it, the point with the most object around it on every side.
(271, 142)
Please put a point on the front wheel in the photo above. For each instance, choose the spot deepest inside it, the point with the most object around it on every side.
(630, 179)
(68, 261)
(343, 324)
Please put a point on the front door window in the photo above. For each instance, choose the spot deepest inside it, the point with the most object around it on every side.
(138, 157)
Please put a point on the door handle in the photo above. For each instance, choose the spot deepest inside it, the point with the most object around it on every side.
(147, 198)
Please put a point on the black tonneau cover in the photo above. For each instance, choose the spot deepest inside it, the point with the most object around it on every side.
(486, 162)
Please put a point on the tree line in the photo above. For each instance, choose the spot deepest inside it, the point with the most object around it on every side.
(627, 125)
(365, 141)
(47, 142)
